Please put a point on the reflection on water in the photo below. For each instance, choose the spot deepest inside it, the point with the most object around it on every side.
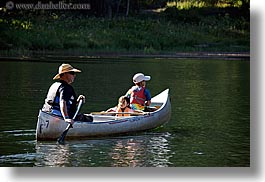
(125, 151)
(136, 152)
(52, 155)
(21, 142)
(161, 151)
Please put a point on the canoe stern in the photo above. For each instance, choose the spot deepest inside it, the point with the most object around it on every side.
(48, 126)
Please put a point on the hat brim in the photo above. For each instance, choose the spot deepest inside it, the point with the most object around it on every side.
(56, 77)
(146, 78)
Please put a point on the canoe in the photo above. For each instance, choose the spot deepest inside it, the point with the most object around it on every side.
(50, 127)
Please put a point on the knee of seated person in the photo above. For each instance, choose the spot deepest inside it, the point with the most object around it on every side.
(84, 118)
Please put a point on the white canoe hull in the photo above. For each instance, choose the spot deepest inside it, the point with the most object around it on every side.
(50, 127)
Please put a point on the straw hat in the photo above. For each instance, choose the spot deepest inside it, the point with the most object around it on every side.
(65, 68)
(140, 77)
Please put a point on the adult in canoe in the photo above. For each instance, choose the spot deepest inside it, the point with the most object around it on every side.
(139, 95)
(61, 99)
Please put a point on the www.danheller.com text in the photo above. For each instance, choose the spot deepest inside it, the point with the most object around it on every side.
(46, 6)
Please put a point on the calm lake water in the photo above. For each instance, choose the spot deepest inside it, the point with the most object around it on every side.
(209, 126)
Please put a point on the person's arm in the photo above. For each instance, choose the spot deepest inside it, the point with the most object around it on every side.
(128, 93)
(63, 108)
(65, 94)
(113, 109)
(148, 97)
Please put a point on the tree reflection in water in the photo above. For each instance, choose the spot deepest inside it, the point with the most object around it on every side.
(148, 151)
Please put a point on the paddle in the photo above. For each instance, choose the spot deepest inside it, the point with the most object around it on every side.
(61, 138)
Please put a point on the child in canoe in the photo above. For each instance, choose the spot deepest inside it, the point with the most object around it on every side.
(140, 97)
(123, 108)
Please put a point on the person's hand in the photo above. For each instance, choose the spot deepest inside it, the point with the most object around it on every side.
(81, 97)
(147, 103)
(70, 121)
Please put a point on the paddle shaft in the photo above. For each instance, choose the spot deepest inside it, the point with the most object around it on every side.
(61, 138)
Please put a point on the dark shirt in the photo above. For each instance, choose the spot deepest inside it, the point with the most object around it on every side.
(67, 93)
(60, 91)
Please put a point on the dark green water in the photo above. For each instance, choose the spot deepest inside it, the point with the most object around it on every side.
(209, 126)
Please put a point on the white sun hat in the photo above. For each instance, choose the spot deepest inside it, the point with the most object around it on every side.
(140, 77)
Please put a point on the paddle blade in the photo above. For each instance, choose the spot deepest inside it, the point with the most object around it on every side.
(61, 138)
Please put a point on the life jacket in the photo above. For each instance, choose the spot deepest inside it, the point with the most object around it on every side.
(138, 96)
(126, 109)
(51, 100)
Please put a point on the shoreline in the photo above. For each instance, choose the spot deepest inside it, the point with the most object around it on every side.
(107, 55)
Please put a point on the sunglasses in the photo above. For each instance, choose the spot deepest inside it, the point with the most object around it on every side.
(71, 73)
